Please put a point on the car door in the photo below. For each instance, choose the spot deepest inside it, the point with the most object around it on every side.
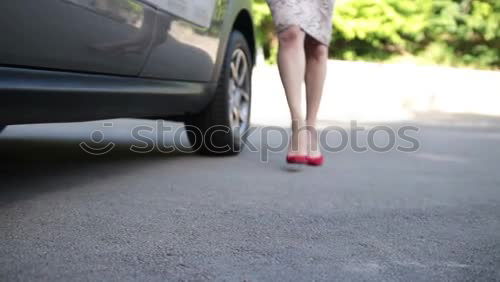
(186, 39)
(97, 36)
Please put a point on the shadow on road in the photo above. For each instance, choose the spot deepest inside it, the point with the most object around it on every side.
(41, 158)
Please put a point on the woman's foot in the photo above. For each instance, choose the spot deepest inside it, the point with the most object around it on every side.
(315, 161)
(314, 156)
(297, 149)
(298, 140)
(291, 159)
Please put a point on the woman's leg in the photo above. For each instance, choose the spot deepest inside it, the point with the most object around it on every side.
(291, 64)
(316, 60)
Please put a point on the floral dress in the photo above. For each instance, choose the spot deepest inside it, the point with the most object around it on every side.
(312, 16)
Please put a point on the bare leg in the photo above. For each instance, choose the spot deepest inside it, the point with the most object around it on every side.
(316, 60)
(291, 64)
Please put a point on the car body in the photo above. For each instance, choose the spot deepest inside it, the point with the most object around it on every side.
(78, 60)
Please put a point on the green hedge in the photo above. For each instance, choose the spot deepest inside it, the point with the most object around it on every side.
(448, 32)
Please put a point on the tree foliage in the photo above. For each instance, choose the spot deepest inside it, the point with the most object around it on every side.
(450, 32)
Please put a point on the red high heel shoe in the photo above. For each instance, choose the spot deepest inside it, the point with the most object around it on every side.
(296, 159)
(315, 161)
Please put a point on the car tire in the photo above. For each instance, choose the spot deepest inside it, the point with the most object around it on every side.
(221, 128)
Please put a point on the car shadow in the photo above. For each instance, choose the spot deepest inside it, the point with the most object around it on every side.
(37, 159)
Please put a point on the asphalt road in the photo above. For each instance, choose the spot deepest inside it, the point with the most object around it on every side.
(66, 215)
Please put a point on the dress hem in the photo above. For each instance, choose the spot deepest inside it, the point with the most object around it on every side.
(284, 27)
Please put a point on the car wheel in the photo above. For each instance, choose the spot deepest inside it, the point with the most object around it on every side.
(220, 129)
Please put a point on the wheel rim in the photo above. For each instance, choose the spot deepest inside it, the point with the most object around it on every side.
(239, 92)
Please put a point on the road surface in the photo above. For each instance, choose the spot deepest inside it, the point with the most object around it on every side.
(66, 215)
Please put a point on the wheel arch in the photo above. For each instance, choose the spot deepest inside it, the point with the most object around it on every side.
(244, 24)
(238, 17)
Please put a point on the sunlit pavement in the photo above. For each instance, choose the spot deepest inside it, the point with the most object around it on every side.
(382, 92)
(66, 215)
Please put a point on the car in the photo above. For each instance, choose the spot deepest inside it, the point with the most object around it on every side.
(180, 60)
